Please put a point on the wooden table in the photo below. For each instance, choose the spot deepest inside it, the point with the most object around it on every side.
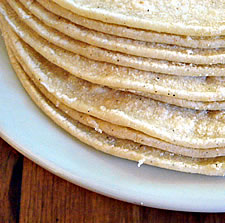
(31, 194)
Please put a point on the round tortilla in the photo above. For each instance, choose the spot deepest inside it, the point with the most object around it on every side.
(197, 105)
(189, 88)
(118, 147)
(175, 125)
(183, 17)
(99, 54)
(122, 132)
(127, 46)
(121, 148)
(103, 55)
(132, 33)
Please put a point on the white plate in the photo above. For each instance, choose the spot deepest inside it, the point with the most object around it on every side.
(29, 131)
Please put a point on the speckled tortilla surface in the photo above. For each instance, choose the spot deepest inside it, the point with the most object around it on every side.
(170, 123)
(118, 147)
(132, 33)
(124, 45)
(189, 88)
(183, 17)
(77, 44)
(122, 118)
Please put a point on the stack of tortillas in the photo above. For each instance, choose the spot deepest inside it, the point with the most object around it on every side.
(139, 79)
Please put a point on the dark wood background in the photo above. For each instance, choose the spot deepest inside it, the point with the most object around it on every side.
(31, 194)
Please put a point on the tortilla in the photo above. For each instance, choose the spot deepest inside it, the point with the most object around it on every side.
(197, 105)
(123, 132)
(132, 33)
(130, 134)
(190, 88)
(184, 17)
(123, 148)
(172, 124)
(126, 133)
(127, 46)
(117, 147)
(102, 55)
(99, 54)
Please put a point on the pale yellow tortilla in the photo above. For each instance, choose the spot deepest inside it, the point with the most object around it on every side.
(71, 45)
(169, 123)
(123, 132)
(197, 105)
(190, 88)
(183, 17)
(99, 54)
(127, 46)
(128, 133)
(121, 148)
(132, 33)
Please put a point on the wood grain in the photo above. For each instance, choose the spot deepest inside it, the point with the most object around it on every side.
(11, 163)
(55, 200)
(44, 197)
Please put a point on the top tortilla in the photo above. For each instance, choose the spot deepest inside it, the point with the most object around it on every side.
(132, 33)
(184, 17)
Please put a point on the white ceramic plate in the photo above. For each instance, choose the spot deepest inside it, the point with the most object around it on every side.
(27, 129)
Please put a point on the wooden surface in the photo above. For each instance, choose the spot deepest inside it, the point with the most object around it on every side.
(29, 193)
